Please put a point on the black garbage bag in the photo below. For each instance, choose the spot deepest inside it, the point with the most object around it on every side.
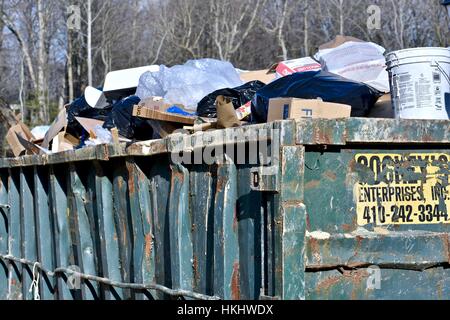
(312, 85)
(121, 117)
(447, 103)
(238, 96)
(80, 108)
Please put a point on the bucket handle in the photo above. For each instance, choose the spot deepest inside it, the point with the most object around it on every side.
(394, 60)
(446, 76)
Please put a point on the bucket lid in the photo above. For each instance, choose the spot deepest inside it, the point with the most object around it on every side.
(395, 57)
(419, 52)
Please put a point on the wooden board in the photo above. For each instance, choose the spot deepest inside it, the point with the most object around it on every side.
(149, 113)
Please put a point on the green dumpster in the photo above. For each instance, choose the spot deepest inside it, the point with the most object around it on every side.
(313, 209)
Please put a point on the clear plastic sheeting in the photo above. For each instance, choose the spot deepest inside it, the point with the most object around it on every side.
(189, 83)
(102, 136)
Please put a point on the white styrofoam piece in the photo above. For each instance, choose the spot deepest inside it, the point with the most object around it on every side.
(126, 78)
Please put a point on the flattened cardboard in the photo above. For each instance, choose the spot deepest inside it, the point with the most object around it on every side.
(154, 114)
(294, 108)
(57, 126)
(21, 130)
(29, 146)
(264, 76)
(89, 124)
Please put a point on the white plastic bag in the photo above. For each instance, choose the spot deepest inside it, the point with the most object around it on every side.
(358, 61)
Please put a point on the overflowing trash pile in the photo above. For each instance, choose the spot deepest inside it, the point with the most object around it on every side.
(347, 77)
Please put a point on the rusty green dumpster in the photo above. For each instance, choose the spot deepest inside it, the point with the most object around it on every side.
(311, 209)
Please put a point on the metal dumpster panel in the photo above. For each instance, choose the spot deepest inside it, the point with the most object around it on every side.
(129, 222)
(432, 284)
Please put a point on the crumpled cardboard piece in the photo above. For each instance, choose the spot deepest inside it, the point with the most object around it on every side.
(339, 40)
(12, 137)
(226, 115)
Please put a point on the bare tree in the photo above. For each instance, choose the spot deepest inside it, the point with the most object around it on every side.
(115, 34)
(91, 18)
(233, 21)
(278, 12)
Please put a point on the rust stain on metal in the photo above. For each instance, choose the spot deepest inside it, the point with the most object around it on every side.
(221, 182)
(352, 165)
(131, 181)
(446, 241)
(124, 232)
(195, 270)
(235, 288)
(120, 183)
(148, 245)
(176, 175)
(357, 275)
(347, 227)
(359, 240)
(427, 138)
(327, 283)
(315, 250)
(308, 222)
(312, 184)
(322, 136)
(330, 175)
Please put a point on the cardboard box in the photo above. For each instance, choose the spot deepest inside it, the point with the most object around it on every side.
(11, 137)
(264, 76)
(288, 67)
(63, 142)
(294, 108)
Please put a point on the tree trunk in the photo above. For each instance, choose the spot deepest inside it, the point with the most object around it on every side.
(341, 17)
(43, 112)
(70, 65)
(89, 41)
(306, 33)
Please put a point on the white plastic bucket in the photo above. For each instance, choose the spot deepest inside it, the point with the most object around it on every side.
(419, 80)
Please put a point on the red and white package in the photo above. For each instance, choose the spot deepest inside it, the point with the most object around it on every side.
(244, 111)
(288, 67)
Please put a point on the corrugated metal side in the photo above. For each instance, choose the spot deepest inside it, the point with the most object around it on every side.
(136, 225)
